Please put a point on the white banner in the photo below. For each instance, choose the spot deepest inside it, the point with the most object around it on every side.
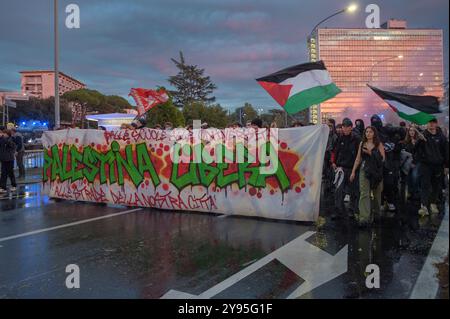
(234, 172)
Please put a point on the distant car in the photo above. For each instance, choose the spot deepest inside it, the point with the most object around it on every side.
(33, 143)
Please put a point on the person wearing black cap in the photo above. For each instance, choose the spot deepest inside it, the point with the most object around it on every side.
(342, 159)
(432, 154)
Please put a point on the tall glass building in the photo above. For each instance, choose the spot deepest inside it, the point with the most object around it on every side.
(392, 58)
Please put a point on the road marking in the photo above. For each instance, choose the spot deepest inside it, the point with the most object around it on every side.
(68, 225)
(307, 261)
(427, 284)
(15, 196)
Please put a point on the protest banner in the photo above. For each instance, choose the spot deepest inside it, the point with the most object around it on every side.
(274, 174)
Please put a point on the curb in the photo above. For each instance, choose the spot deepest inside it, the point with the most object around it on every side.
(427, 284)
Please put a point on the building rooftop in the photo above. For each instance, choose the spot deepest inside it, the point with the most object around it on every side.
(110, 116)
(51, 71)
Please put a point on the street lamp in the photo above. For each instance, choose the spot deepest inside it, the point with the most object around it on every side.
(314, 111)
(400, 57)
(350, 9)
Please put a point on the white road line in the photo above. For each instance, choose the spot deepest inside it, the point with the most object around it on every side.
(427, 284)
(312, 264)
(68, 225)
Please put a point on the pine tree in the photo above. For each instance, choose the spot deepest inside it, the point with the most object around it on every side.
(191, 84)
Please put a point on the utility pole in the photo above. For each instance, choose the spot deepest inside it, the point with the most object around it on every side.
(57, 110)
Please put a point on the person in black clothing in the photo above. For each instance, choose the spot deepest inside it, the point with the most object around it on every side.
(359, 128)
(390, 137)
(339, 130)
(20, 151)
(409, 169)
(432, 154)
(327, 169)
(342, 159)
(7, 152)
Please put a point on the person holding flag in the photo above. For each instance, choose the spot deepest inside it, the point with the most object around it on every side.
(146, 99)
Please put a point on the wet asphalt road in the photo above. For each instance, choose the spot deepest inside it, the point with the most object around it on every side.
(146, 253)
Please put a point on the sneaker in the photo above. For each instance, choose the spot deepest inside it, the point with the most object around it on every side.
(347, 198)
(391, 207)
(434, 209)
(3, 191)
(13, 189)
(423, 211)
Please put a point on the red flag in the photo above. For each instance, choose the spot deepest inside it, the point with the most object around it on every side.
(146, 99)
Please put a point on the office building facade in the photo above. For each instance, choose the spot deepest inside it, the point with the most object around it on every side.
(41, 84)
(391, 58)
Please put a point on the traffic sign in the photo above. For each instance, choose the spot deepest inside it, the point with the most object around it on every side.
(10, 103)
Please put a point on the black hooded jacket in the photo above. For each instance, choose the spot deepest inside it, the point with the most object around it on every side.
(346, 150)
(433, 151)
(7, 149)
(390, 137)
(359, 128)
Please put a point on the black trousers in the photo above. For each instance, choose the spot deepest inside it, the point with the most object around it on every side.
(19, 161)
(390, 183)
(346, 187)
(7, 171)
(430, 183)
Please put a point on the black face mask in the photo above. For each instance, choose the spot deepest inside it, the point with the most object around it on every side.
(377, 124)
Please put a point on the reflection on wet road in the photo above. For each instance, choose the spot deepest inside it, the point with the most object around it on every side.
(147, 253)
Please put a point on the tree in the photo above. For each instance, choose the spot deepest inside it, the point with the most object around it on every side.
(40, 110)
(86, 101)
(95, 101)
(243, 114)
(214, 115)
(163, 113)
(191, 84)
(118, 103)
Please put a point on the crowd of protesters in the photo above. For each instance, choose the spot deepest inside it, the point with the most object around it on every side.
(375, 167)
(367, 167)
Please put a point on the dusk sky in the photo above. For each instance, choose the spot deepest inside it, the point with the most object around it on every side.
(124, 44)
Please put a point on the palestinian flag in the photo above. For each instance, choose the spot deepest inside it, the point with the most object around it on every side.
(414, 108)
(298, 87)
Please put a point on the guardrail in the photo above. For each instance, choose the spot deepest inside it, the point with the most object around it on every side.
(33, 159)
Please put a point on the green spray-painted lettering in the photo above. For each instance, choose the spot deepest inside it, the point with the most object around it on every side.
(91, 164)
(244, 174)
